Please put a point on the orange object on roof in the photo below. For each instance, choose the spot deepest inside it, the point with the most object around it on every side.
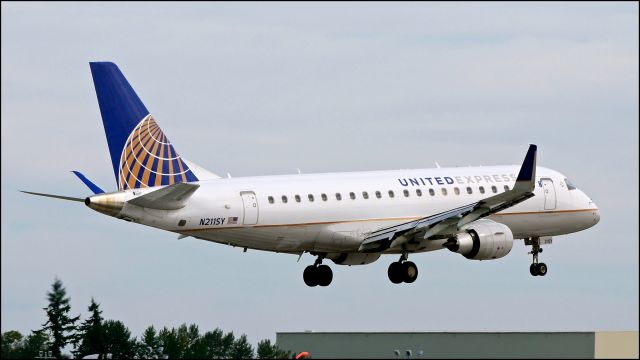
(303, 355)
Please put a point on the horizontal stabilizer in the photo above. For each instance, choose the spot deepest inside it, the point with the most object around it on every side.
(53, 196)
(95, 188)
(172, 197)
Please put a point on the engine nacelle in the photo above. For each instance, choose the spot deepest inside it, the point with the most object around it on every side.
(482, 240)
(353, 258)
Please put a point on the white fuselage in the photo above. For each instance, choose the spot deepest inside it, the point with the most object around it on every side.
(251, 211)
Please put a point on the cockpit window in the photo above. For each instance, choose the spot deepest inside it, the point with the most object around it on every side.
(570, 185)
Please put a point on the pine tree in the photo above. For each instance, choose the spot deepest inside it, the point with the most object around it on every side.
(209, 345)
(266, 350)
(117, 340)
(241, 348)
(35, 344)
(226, 348)
(11, 344)
(149, 346)
(59, 324)
(193, 348)
(171, 344)
(91, 333)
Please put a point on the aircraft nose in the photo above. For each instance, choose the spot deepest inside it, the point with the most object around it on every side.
(595, 211)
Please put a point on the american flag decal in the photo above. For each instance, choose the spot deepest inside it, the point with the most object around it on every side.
(232, 220)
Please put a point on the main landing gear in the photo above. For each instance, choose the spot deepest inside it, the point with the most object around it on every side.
(402, 270)
(317, 274)
(536, 268)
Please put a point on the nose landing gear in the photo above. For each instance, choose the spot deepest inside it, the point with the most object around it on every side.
(402, 270)
(317, 274)
(536, 268)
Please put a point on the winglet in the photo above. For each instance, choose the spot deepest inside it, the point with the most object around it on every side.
(527, 174)
(95, 188)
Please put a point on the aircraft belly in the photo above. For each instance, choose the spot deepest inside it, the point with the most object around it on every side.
(261, 238)
(338, 237)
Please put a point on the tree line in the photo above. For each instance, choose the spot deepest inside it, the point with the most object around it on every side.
(111, 338)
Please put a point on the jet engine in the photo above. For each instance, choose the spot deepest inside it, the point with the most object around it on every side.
(482, 240)
(353, 258)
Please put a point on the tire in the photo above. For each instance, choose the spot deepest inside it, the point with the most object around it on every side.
(542, 269)
(409, 272)
(395, 272)
(533, 270)
(324, 274)
(310, 276)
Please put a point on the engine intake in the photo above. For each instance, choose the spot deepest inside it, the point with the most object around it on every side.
(482, 240)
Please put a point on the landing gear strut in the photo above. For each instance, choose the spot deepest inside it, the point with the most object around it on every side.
(317, 274)
(536, 268)
(402, 270)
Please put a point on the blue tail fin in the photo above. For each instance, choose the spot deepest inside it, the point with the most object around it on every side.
(141, 154)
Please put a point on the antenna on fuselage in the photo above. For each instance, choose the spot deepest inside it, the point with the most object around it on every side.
(437, 165)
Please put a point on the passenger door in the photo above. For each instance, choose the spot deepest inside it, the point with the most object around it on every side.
(549, 194)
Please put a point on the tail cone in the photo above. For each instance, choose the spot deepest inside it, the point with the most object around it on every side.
(110, 204)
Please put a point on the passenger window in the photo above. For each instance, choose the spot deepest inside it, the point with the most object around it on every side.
(494, 189)
(310, 197)
(456, 190)
(338, 196)
(297, 198)
(365, 195)
(324, 197)
(284, 199)
(406, 193)
(270, 199)
(469, 190)
(431, 192)
(378, 195)
(391, 195)
(418, 192)
(352, 196)
(444, 191)
(506, 188)
(481, 188)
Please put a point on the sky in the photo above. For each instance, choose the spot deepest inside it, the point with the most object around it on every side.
(266, 88)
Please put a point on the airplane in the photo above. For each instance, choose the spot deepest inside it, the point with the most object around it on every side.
(350, 218)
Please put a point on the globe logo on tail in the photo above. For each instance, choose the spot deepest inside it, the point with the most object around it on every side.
(148, 159)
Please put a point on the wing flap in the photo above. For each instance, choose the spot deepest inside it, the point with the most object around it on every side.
(171, 197)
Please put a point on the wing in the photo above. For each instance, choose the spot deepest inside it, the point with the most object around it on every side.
(450, 221)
